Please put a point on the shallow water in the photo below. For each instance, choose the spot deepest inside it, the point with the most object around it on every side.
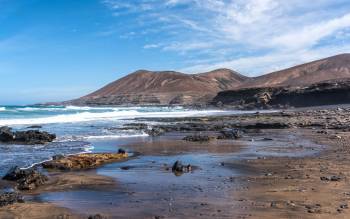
(145, 187)
(78, 128)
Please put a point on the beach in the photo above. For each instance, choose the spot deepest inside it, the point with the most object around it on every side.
(283, 164)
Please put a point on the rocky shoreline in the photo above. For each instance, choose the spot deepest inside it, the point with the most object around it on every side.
(310, 185)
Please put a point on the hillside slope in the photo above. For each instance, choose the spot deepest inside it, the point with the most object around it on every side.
(166, 87)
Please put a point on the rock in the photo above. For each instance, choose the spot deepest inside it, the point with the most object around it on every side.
(274, 125)
(330, 178)
(57, 157)
(179, 168)
(133, 126)
(84, 161)
(27, 179)
(230, 134)
(121, 151)
(97, 216)
(6, 134)
(196, 138)
(263, 98)
(155, 131)
(34, 137)
(9, 198)
(25, 137)
(34, 127)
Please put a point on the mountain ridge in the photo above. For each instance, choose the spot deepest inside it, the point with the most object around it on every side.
(145, 87)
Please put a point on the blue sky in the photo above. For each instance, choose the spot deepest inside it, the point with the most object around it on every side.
(52, 50)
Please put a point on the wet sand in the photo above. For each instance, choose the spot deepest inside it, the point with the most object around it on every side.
(269, 173)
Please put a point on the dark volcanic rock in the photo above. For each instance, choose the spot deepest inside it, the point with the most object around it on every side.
(34, 127)
(27, 179)
(266, 125)
(198, 138)
(318, 94)
(6, 134)
(179, 168)
(25, 137)
(230, 134)
(97, 216)
(9, 198)
(330, 178)
(134, 126)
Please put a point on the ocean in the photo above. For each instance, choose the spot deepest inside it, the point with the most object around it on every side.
(77, 128)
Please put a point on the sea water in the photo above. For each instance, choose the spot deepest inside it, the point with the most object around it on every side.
(77, 128)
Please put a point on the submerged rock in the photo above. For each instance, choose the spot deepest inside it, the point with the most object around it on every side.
(84, 161)
(230, 134)
(197, 138)
(25, 137)
(26, 179)
(178, 168)
(9, 198)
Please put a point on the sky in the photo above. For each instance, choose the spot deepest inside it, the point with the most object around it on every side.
(54, 50)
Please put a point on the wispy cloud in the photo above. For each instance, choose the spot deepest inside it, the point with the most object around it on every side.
(251, 36)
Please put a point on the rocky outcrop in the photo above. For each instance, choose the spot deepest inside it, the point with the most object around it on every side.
(25, 137)
(9, 198)
(197, 138)
(325, 93)
(26, 179)
(230, 134)
(84, 161)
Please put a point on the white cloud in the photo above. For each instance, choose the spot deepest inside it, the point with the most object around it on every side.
(251, 36)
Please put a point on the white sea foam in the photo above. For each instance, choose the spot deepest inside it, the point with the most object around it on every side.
(101, 116)
(2, 109)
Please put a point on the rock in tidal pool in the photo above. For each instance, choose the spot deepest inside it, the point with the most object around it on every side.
(84, 161)
(178, 168)
(26, 179)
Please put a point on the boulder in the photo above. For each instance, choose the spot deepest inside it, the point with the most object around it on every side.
(25, 137)
(97, 216)
(34, 137)
(9, 198)
(26, 179)
(6, 134)
(179, 168)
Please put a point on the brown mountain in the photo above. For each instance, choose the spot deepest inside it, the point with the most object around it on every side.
(165, 87)
(169, 87)
(335, 67)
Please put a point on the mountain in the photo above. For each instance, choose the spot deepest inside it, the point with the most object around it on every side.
(335, 67)
(169, 87)
(163, 87)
